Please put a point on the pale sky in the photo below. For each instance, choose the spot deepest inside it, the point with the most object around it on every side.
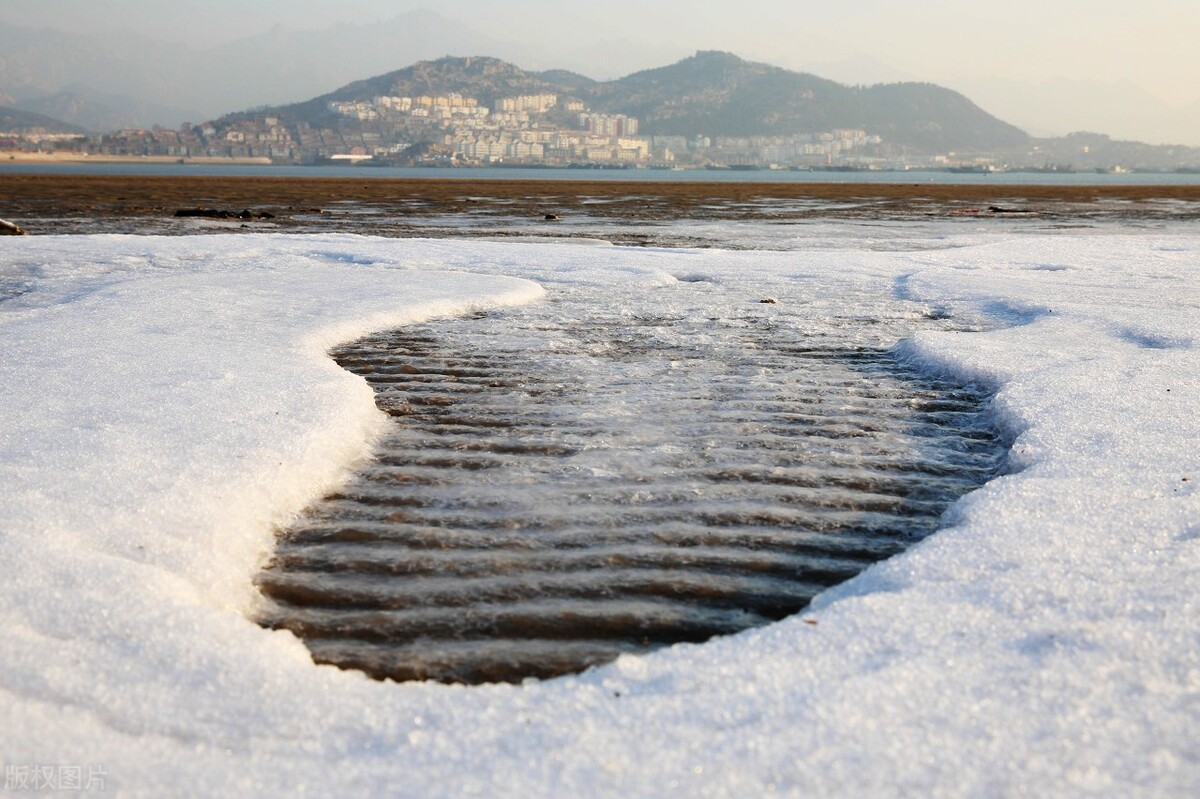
(980, 48)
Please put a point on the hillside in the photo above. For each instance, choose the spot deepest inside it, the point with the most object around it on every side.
(485, 79)
(88, 108)
(715, 93)
(711, 94)
(13, 120)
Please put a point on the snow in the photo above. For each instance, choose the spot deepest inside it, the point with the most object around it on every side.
(165, 402)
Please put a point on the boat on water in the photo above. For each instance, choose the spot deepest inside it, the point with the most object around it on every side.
(973, 169)
(734, 167)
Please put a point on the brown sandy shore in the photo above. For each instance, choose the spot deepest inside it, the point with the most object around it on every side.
(70, 203)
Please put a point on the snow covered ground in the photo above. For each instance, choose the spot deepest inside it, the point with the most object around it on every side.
(165, 402)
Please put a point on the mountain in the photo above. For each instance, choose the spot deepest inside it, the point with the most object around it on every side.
(1087, 151)
(710, 93)
(41, 63)
(94, 110)
(565, 78)
(484, 78)
(13, 120)
(933, 119)
(718, 93)
(859, 70)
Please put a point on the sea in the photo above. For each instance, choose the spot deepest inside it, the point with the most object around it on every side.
(911, 176)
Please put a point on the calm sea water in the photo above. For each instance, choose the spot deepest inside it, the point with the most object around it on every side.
(686, 175)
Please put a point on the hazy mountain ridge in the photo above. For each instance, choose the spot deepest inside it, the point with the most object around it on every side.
(98, 111)
(14, 120)
(38, 64)
(1085, 150)
(279, 66)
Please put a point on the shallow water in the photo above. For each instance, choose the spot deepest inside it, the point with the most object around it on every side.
(579, 478)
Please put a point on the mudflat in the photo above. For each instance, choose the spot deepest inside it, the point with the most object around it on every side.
(78, 203)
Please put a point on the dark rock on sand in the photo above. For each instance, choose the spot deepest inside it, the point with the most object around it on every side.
(217, 213)
(9, 229)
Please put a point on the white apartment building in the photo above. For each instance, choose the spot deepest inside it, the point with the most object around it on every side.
(529, 103)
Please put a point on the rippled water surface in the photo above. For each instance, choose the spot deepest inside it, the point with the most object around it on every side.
(583, 477)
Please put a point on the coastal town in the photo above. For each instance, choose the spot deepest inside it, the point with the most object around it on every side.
(453, 130)
(550, 129)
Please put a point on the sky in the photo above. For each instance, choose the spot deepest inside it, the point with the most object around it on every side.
(1027, 57)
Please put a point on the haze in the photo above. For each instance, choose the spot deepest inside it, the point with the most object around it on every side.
(1051, 67)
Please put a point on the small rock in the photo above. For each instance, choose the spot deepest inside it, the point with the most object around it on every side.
(218, 213)
(768, 301)
(551, 217)
(9, 229)
(203, 213)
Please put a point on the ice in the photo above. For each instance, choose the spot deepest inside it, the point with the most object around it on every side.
(165, 402)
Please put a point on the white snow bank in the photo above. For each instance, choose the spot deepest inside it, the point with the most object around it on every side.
(163, 402)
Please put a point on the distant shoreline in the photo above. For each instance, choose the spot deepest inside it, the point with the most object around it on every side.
(84, 158)
(367, 168)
